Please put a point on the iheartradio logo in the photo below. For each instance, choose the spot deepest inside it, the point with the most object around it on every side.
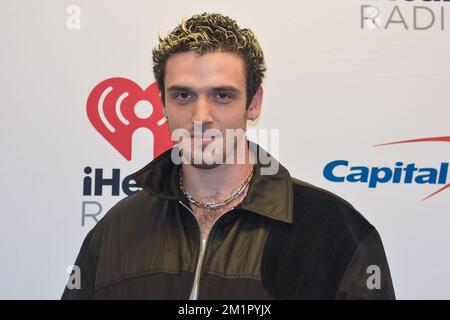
(117, 107)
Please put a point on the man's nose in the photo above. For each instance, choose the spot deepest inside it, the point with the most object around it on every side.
(202, 110)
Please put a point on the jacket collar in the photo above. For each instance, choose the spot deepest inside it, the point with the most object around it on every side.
(268, 195)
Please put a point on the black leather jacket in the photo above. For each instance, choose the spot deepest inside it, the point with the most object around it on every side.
(286, 240)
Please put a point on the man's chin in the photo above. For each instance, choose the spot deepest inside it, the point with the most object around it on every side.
(205, 162)
(201, 159)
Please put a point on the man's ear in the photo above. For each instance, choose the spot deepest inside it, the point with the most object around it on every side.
(254, 108)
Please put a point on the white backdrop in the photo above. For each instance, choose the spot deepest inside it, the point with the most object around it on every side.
(335, 87)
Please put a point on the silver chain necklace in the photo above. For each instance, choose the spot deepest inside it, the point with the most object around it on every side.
(215, 205)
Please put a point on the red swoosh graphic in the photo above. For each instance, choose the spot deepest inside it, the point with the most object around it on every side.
(436, 192)
(434, 139)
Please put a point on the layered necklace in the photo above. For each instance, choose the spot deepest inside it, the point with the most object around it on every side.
(215, 205)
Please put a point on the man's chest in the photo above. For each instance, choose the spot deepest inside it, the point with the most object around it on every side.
(207, 218)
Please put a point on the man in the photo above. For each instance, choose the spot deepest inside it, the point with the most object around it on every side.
(206, 227)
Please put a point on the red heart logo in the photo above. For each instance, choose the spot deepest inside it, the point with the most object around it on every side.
(116, 107)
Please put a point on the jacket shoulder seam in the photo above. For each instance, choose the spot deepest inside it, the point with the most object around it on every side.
(311, 186)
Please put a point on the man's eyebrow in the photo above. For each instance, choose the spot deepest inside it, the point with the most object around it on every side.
(227, 88)
(230, 89)
(178, 88)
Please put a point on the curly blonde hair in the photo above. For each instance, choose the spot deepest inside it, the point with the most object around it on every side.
(210, 32)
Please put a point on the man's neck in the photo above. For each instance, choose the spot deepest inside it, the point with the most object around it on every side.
(216, 183)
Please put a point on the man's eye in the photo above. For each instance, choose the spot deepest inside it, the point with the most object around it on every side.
(183, 96)
(220, 96)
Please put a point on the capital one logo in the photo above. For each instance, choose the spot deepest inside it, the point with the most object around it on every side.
(117, 107)
(401, 173)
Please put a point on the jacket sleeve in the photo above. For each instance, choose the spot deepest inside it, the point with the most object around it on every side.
(367, 275)
(81, 283)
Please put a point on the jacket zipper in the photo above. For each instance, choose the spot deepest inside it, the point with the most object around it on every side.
(203, 244)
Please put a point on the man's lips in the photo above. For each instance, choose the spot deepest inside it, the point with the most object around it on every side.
(203, 139)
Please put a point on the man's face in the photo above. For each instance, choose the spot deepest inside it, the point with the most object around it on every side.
(207, 91)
